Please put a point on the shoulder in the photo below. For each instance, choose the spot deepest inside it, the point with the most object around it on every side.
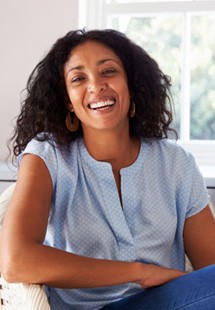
(169, 154)
(46, 144)
(167, 148)
(54, 156)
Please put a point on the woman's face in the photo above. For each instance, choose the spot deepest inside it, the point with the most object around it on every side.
(97, 86)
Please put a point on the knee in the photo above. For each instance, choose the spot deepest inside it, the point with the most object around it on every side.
(206, 273)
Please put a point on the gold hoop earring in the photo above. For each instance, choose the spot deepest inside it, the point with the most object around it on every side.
(132, 109)
(72, 122)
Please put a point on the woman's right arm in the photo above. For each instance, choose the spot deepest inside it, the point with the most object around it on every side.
(24, 258)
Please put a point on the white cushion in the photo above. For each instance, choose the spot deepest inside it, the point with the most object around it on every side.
(5, 198)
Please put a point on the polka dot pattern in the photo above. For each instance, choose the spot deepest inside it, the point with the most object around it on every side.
(159, 190)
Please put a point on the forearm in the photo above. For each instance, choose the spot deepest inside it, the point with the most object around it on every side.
(53, 267)
(46, 265)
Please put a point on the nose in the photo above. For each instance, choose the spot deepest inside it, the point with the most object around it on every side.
(97, 85)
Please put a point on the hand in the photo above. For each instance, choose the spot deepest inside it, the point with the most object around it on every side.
(153, 275)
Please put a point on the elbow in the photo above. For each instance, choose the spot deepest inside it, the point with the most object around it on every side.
(13, 264)
(18, 264)
(8, 276)
(10, 269)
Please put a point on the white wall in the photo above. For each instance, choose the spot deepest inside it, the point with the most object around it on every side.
(28, 28)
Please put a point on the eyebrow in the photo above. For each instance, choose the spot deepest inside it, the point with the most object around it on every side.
(99, 62)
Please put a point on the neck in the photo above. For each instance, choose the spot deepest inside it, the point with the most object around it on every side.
(119, 149)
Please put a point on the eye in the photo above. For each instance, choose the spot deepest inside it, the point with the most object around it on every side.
(78, 79)
(109, 71)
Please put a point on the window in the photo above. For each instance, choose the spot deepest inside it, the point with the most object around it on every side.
(180, 36)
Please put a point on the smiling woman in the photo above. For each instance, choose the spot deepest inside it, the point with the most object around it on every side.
(97, 88)
(105, 205)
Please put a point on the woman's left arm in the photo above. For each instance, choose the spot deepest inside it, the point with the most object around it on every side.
(199, 238)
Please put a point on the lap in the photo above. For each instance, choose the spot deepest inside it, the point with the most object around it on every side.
(193, 291)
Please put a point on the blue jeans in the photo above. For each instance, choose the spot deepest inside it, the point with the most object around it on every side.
(195, 290)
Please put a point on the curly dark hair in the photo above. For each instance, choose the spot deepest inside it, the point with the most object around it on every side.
(44, 108)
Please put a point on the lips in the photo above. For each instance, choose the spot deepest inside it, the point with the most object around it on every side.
(101, 104)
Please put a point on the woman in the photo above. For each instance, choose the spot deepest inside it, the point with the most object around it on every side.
(105, 204)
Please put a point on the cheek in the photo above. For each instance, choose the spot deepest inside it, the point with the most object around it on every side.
(125, 95)
(73, 96)
(124, 88)
(126, 101)
(76, 101)
(72, 100)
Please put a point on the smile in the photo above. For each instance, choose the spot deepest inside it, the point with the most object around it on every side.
(101, 104)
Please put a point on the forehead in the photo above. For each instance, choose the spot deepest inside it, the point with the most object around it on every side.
(90, 51)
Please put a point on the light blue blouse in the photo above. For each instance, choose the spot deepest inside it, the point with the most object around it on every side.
(159, 191)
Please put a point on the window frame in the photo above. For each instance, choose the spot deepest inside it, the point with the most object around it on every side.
(95, 16)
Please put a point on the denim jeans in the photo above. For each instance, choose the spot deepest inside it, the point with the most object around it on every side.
(195, 290)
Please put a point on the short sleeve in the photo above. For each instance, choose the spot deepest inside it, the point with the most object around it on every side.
(46, 151)
(198, 194)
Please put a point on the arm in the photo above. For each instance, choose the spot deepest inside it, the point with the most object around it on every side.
(26, 259)
(199, 238)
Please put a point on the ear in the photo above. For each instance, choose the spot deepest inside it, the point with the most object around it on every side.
(70, 107)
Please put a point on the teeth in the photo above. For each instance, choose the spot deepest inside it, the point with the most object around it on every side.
(101, 104)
